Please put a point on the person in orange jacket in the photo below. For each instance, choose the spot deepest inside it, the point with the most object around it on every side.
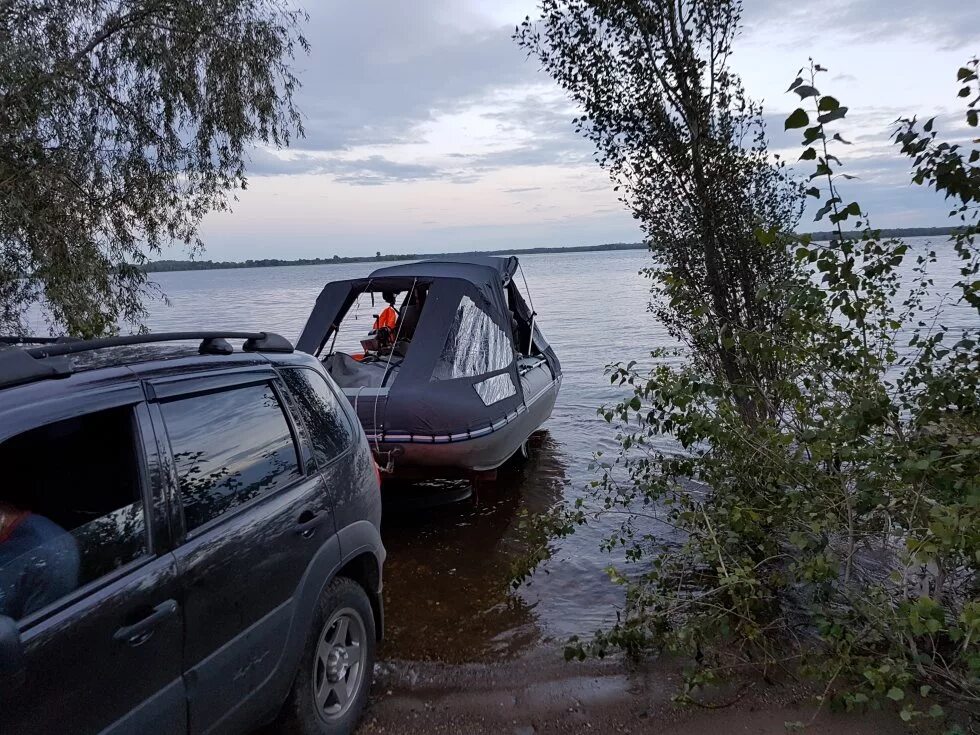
(389, 317)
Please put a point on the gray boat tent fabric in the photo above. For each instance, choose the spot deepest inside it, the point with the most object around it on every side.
(459, 372)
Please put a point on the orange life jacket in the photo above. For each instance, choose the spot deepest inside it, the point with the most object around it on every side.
(386, 318)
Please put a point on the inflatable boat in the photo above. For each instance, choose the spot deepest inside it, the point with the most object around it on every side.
(455, 380)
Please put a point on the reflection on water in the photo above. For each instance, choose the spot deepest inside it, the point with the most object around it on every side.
(448, 595)
(447, 573)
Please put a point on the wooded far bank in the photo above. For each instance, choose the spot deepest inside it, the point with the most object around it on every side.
(160, 266)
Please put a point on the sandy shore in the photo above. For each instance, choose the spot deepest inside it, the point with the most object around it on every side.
(540, 693)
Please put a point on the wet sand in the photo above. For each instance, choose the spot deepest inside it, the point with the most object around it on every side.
(541, 693)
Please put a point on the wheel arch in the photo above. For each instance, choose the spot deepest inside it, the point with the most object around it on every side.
(365, 569)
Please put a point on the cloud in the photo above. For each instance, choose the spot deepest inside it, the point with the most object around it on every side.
(378, 70)
(377, 170)
(368, 171)
(521, 189)
(263, 162)
(539, 126)
(951, 24)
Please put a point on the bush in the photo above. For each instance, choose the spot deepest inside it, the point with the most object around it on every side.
(837, 530)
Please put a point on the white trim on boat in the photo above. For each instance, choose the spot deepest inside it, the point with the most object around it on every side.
(403, 438)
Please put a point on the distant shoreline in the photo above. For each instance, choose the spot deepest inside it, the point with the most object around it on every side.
(164, 266)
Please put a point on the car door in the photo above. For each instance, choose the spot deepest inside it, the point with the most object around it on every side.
(95, 644)
(253, 514)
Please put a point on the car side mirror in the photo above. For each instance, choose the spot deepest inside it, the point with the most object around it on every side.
(11, 649)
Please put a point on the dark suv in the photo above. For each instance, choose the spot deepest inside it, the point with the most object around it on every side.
(189, 539)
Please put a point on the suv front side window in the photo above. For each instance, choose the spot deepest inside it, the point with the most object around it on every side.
(319, 406)
(229, 447)
(71, 508)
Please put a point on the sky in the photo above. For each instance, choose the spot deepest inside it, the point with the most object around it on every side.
(428, 130)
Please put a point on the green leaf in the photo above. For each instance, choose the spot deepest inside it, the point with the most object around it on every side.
(896, 694)
(808, 155)
(840, 139)
(797, 119)
(812, 134)
(962, 73)
(805, 91)
(813, 192)
(764, 237)
(837, 114)
(796, 83)
(828, 104)
(971, 118)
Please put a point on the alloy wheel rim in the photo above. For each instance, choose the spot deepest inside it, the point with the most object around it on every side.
(338, 666)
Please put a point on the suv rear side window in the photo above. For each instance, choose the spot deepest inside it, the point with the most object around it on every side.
(71, 508)
(229, 447)
(329, 429)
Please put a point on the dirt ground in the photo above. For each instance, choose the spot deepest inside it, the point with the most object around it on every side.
(540, 693)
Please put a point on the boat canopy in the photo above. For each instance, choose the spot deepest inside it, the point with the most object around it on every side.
(461, 369)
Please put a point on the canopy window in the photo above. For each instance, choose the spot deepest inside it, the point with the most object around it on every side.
(475, 345)
(495, 389)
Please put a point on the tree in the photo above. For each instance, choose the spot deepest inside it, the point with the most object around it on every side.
(671, 124)
(121, 126)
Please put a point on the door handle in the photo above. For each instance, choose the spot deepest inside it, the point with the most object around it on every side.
(141, 630)
(308, 522)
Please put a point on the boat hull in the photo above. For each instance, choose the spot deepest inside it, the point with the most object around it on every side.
(448, 455)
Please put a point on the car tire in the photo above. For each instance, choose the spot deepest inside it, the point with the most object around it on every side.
(334, 676)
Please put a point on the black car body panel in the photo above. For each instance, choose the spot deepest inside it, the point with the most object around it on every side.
(231, 601)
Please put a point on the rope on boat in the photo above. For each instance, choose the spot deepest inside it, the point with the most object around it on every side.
(336, 327)
(357, 303)
(530, 339)
(377, 397)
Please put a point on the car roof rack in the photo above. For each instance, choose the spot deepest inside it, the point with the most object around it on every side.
(48, 358)
(254, 342)
(31, 340)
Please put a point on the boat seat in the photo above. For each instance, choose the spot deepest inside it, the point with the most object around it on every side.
(408, 321)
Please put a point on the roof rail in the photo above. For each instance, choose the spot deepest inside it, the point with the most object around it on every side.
(31, 340)
(254, 342)
(49, 358)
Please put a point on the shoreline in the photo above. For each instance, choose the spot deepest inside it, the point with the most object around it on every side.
(170, 266)
(541, 693)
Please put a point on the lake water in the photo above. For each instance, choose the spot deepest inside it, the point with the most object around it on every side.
(447, 579)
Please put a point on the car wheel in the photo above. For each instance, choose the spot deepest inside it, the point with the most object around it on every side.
(334, 676)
